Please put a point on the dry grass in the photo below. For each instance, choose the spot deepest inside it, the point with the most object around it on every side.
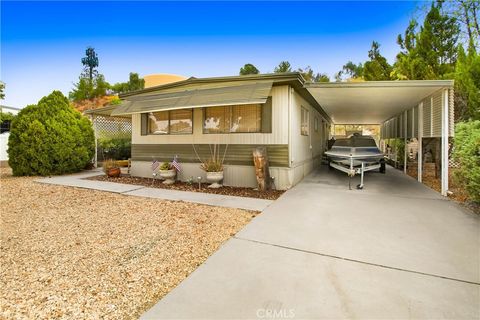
(83, 254)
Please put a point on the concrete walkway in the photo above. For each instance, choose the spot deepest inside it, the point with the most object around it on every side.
(78, 180)
(394, 250)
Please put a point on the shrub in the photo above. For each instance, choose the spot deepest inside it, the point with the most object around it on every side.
(467, 153)
(50, 138)
(116, 148)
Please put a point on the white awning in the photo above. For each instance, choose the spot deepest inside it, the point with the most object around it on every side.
(372, 102)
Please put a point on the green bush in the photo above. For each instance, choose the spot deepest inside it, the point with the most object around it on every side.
(50, 138)
(115, 148)
(467, 153)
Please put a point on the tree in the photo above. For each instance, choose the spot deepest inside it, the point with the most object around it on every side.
(2, 87)
(82, 90)
(466, 13)
(377, 68)
(91, 84)
(321, 77)
(50, 138)
(248, 69)
(283, 66)
(310, 76)
(467, 85)
(134, 83)
(354, 71)
(431, 52)
(90, 63)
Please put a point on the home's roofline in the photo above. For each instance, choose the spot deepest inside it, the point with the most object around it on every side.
(382, 84)
(275, 77)
(294, 79)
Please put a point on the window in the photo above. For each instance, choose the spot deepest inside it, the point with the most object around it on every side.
(233, 119)
(304, 123)
(315, 124)
(168, 122)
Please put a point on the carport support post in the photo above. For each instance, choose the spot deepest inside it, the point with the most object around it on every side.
(95, 163)
(405, 122)
(445, 131)
(420, 142)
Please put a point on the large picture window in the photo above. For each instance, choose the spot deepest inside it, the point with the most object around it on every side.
(170, 122)
(304, 122)
(231, 119)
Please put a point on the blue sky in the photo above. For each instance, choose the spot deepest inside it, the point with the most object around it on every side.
(42, 42)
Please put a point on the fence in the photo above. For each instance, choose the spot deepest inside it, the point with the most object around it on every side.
(113, 137)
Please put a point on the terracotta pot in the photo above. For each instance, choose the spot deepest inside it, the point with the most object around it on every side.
(214, 178)
(168, 175)
(113, 172)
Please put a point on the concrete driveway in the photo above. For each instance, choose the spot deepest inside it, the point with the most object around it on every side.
(393, 250)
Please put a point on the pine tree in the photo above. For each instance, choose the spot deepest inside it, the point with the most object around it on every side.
(467, 84)
(377, 68)
(283, 66)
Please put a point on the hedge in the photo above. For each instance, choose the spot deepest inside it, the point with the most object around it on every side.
(467, 153)
(50, 138)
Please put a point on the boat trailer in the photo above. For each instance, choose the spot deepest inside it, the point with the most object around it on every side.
(352, 170)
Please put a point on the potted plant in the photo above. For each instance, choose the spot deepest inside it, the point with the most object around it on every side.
(167, 172)
(111, 168)
(213, 166)
(214, 172)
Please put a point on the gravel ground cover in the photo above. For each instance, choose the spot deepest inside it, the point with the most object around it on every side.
(70, 253)
(182, 186)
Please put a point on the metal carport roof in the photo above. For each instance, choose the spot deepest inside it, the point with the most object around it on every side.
(371, 102)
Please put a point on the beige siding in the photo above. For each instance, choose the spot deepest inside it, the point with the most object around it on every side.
(234, 175)
(279, 133)
(306, 151)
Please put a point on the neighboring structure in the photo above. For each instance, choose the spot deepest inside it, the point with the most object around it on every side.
(153, 80)
(5, 133)
(237, 113)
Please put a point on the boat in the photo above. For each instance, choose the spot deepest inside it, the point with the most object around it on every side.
(356, 155)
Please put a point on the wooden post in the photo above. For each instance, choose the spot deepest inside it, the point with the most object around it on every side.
(260, 159)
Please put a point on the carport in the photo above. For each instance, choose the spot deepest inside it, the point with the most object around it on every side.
(404, 109)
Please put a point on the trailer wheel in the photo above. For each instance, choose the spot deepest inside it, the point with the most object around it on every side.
(383, 168)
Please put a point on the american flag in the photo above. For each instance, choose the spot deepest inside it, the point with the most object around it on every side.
(176, 164)
(155, 165)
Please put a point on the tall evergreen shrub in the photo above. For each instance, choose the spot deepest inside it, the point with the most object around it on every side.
(50, 138)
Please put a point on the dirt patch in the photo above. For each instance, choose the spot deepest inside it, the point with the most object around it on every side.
(183, 186)
(457, 193)
(82, 254)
